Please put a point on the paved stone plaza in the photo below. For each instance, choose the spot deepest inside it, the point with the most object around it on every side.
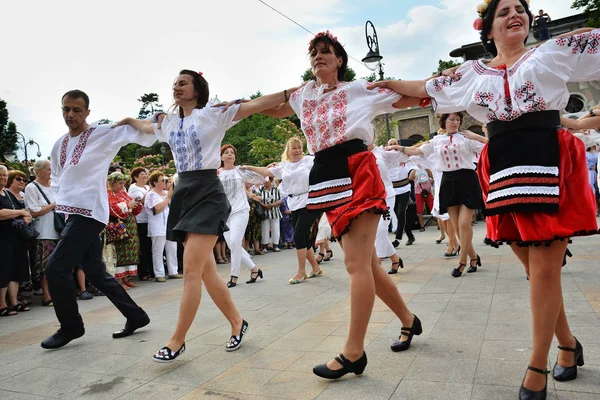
(475, 344)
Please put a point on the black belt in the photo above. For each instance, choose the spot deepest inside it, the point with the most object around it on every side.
(542, 119)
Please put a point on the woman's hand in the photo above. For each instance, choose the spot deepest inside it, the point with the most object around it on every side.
(227, 104)
(132, 204)
(27, 220)
(124, 121)
(170, 193)
(470, 135)
(26, 214)
(378, 84)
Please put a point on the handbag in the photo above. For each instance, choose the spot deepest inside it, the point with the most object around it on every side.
(260, 211)
(116, 231)
(26, 231)
(59, 218)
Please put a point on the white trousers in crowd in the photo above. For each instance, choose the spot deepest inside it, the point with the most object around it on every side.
(270, 225)
(160, 244)
(383, 245)
(237, 223)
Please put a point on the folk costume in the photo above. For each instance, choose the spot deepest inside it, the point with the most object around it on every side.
(128, 249)
(530, 197)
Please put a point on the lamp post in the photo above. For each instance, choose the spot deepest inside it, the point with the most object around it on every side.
(11, 156)
(163, 150)
(373, 61)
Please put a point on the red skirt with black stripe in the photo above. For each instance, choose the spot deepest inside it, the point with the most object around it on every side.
(576, 214)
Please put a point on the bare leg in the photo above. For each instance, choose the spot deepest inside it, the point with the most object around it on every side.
(454, 213)
(13, 292)
(45, 292)
(420, 218)
(197, 251)
(3, 292)
(466, 233)
(81, 280)
(442, 229)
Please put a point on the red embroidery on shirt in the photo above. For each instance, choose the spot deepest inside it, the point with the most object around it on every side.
(385, 90)
(63, 151)
(581, 43)
(80, 147)
(74, 210)
(444, 81)
(308, 110)
(340, 102)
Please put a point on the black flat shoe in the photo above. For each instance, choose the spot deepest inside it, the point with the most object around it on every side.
(131, 326)
(396, 243)
(166, 355)
(395, 270)
(357, 367)
(473, 268)
(410, 241)
(526, 394)
(258, 273)
(231, 283)
(456, 272)
(415, 329)
(454, 253)
(235, 342)
(61, 338)
(562, 374)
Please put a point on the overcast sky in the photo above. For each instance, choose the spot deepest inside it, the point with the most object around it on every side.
(118, 50)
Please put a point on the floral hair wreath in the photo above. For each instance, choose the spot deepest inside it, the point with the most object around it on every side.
(321, 34)
(481, 10)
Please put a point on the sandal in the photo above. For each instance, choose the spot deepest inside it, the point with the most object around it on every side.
(47, 303)
(130, 283)
(329, 257)
(319, 261)
(85, 295)
(395, 270)
(438, 241)
(231, 283)
(166, 355)
(415, 330)
(297, 281)
(21, 308)
(145, 278)
(220, 261)
(7, 312)
(315, 274)
(235, 342)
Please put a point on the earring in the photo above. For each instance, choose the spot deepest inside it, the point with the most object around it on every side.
(489, 40)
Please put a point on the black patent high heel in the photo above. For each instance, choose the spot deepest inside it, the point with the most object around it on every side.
(322, 258)
(259, 274)
(454, 253)
(562, 374)
(567, 254)
(415, 329)
(473, 268)
(526, 394)
(231, 283)
(358, 367)
(395, 270)
(329, 256)
(456, 272)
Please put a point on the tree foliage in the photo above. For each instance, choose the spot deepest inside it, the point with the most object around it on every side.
(268, 150)
(442, 65)
(349, 76)
(591, 8)
(155, 162)
(8, 131)
(374, 78)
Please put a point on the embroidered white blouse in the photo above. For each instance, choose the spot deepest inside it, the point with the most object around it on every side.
(80, 165)
(196, 139)
(386, 160)
(341, 115)
(537, 81)
(233, 181)
(157, 223)
(452, 152)
(294, 181)
(138, 193)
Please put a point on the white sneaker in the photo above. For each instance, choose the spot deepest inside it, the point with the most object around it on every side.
(276, 249)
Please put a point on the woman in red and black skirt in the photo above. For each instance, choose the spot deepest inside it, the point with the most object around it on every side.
(345, 183)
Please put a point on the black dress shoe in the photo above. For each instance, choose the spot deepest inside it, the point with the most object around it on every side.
(410, 241)
(456, 272)
(415, 329)
(396, 243)
(473, 268)
(61, 338)
(357, 367)
(131, 326)
(526, 394)
(562, 374)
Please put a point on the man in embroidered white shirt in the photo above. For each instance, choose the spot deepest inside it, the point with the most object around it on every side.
(80, 160)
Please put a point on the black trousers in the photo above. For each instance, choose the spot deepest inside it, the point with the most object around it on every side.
(400, 210)
(302, 221)
(146, 267)
(80, 246)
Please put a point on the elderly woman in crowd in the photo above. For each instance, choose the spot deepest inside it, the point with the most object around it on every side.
(137, 191)
(15, 266)
(157, 208)
(123, 209)
(270, 200)
(40, 201)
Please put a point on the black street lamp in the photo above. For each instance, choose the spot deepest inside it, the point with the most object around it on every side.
(11, 156)
(373, 61)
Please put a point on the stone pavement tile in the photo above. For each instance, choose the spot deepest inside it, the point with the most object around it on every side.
(336, 343)
(240, 380)
(107, 388)
(583, 319)
(512, 287)
(501, 332)
(578, 296)
(500, 372)
(573, 306)
(444, 330)
(417, 390)
(293, 385)
(97, 363)
(506, 350)
(564, 395)
(515, 316)
(6, 395)
(431, 297)
(435, 369)
(373, 329)
(495, 392)
(43, 381)
(208, 394)
(148, 370)
(31, 357)
(475, 287)
(591, 352)
(317, 328)
(298, 342)
(464, 317)
(587, 381)
(157, 391)
(271, 359)
(29, 336)
(454, 348)
(439, 288)
(468, 306)
(480, 298)
(586, 334)
(309, 359)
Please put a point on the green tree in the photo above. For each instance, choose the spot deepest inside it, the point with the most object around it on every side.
(8, 131)
(150, 105)
(349, 76)
(105, 121)
(374, 78)
(591, 8)
(442, 65)
(268, 150)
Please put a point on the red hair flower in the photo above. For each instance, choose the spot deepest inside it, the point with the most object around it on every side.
(200, 73)
(478, 24)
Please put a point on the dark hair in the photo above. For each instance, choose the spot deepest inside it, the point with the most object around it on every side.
(488, 20)
(77, 94)
(200, 86)
(229, 146)
(444, 117)
(114, 168)
(136, 171)
(338, 49)
(13, 174)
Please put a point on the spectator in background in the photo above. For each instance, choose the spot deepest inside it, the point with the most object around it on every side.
(422, 178)
(285, 225)
(41, 201)
(124, 208)
(157, 208)
(15, 266)
(252, 234)
(137, 191)
(270, 200)
(540, 23)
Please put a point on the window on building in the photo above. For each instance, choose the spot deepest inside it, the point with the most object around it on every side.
(576, 104)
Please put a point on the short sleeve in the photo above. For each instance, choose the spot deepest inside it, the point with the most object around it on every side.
(222, 119)
(450, 95)
(277, 171)
(381, 100)
(151, 200)
(427, 148)
(393, 158)
(578, 55)
(32, 199)
(126, 134)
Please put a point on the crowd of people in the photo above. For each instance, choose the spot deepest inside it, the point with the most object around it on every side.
(344, 188)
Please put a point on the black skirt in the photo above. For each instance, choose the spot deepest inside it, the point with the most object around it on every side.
(460, 188)
(199, 205)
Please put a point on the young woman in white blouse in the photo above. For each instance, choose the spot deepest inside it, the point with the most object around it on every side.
(534, 200)
(199, 207)
(156, 207)
(137, 191)
(460, 195)
(235, 189)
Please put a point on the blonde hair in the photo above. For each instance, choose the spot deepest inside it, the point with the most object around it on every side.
(292, 141)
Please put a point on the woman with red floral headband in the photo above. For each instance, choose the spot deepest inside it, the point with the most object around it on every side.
(536, 200)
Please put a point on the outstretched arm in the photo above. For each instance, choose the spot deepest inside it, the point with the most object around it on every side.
(263, 103)
(281, 111)
(410, 89)
(264, 171)
(141, 125)
(411, 151)
(584, 123)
